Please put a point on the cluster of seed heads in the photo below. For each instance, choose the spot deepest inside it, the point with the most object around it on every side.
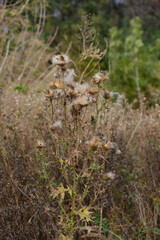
(79, 94)
(66, 87)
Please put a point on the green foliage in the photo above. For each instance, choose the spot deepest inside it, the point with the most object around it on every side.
(141, 232)
(105, 223)
(21, 88)
(130, 59)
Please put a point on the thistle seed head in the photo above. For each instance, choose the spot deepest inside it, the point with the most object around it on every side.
(93, 91)
(100, 77)
(40, 144)
(111, 175)
(82, 101)
(108, 146)
(69, 75)
(56, 126)
(81, 88)
(59, 84)
(60, 60)
(94, 143)
(107, 94)
(49, 93)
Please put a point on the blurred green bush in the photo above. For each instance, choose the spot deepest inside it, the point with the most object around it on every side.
(132, 60)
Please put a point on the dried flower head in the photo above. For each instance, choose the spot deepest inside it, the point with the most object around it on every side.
(69, 92)
(59, 84)
(118, 152)
(107, 94)
(81, 88)
(49, 93)
(60, 59)
(109, 146)
(56, 126)
(94, 143)
(59, 93)
(111, 175)
(93, 91)
(100, 77)
(69, 75)
(40, 144)
(81, 101)
(52, 85)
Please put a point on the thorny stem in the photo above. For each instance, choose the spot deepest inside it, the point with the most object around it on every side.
(74, 189)
(101, 219)
(73, 194)
(78, 134)
(101, 211)
(65, 175)
(87, 184)
(86, 188)
(97, 99)
(65, 114)
(85, 163)
(79, 128)
(52, 108)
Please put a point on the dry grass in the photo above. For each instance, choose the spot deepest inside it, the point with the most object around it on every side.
(130, 201)
(69, 153)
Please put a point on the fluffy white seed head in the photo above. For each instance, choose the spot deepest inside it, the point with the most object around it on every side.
(60, 59)
(81, 88)
(69, 76)
(111, 175)
(100, 77)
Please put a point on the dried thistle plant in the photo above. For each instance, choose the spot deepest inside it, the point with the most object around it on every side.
(78, 148)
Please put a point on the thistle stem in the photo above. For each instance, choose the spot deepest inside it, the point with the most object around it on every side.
(52, 108)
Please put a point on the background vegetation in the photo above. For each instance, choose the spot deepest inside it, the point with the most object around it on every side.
(131, 29)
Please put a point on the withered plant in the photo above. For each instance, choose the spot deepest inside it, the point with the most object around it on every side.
(73, 164)
(80, 147)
